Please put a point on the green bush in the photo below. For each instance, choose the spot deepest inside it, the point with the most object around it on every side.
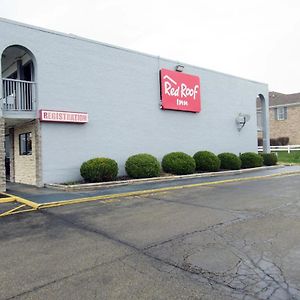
(178, 163)
(230, 161)
(251, 160)
(269, 159)
(99, 169)
(142, 166)
(207, 161)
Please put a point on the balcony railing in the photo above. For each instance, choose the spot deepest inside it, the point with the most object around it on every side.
(18, 95)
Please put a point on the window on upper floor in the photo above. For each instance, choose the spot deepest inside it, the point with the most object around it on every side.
(281, 113)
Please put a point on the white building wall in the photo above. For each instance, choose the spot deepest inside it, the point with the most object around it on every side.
(120, 91)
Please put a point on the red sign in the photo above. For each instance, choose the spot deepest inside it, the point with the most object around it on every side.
(63, 116)
(180, 91)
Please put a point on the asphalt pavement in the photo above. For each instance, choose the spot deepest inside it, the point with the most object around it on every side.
(237, 240)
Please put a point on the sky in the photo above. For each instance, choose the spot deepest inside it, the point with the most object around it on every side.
(257, 39)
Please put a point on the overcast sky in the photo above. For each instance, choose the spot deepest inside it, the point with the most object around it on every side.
(257, 39)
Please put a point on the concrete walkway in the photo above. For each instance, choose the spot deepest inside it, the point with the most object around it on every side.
(46, 195)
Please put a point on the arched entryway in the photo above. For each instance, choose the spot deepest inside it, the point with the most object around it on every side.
(18, 89)
(18, 79)
(263, 121)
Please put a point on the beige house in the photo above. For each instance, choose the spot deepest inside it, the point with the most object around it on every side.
(284, 116)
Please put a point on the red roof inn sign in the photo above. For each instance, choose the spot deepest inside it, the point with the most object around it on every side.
(63, 116)
(180, 91)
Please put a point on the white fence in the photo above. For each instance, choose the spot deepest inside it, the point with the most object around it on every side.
(287, 148)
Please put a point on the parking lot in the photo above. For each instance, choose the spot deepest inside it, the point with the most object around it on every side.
(237, 240)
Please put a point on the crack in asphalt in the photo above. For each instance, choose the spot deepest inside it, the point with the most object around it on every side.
(249, 277)
(89, 229)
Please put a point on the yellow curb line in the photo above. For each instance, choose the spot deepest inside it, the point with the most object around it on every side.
(23, 201)
(29, 203)
(7, 199)
(136, 193)
(109, 198)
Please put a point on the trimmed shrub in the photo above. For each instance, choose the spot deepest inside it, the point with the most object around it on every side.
(178, 163)
(269, 159)
(251, 160)
(99, 169)
(284, 140)
(207, 161)
(142, 165)
(230, 161)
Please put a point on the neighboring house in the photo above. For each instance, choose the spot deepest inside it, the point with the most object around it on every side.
(284, 116)
(66, 99)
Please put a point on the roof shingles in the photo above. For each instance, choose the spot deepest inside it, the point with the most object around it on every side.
(276, 99)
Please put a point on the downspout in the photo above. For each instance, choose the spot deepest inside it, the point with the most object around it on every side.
(265, 123)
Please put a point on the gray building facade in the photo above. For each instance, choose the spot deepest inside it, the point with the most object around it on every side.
(119, 89)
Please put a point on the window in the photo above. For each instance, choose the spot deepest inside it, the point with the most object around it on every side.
(281, 113)
(25, 143)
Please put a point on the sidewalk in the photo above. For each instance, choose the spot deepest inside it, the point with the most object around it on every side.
(47, 195)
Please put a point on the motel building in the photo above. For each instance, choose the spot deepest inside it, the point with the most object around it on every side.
(66, 99)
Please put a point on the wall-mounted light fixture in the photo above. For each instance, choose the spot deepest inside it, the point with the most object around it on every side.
(241, 121)
(179, 68)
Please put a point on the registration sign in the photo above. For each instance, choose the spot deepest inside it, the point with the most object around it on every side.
(63, 116)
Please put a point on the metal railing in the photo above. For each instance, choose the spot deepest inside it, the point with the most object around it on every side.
(18, 95)
(287, 148)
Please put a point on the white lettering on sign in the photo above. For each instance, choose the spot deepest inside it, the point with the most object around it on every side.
(169, 90)
(63, 116)
(182, 102)
(186, 92)
(181, 90)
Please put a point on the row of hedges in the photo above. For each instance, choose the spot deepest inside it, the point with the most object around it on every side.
(145, 165)
(281, 141)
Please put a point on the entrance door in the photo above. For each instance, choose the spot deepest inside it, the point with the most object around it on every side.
(7, 156)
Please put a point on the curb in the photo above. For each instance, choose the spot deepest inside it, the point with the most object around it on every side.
(99, 185)
(33, 206)
(109, 197)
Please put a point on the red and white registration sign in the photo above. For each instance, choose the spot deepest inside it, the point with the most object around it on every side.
(180, 91)
(63, 116)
